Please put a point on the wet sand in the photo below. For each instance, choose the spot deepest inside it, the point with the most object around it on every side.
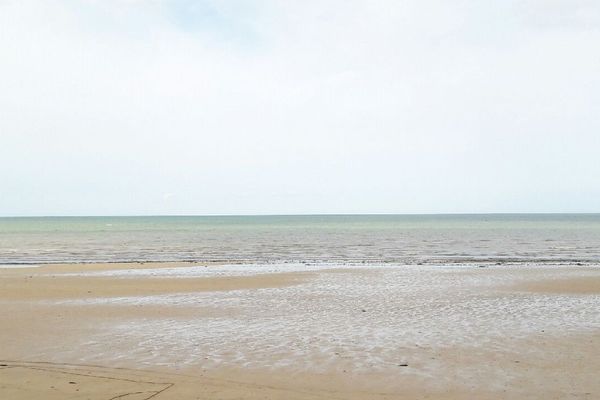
(587, 285)
(23, 286)
(133, 331)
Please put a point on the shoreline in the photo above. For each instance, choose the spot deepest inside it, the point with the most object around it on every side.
(334, 262)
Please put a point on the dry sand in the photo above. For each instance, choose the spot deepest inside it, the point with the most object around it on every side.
(57, 339)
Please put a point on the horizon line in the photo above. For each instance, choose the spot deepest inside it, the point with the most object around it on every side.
(297, 215)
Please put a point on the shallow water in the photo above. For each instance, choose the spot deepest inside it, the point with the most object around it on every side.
(400, 239)
(367, 318)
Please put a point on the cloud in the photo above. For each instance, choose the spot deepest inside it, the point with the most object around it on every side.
(355, 106)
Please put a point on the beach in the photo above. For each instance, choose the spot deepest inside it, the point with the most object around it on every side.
(292, 200)
(299, 331)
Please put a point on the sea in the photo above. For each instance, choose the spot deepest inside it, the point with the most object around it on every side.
(337, 239)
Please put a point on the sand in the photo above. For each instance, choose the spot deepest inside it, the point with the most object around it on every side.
(181, 331)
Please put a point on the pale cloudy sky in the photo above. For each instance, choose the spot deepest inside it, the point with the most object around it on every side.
(276, 107)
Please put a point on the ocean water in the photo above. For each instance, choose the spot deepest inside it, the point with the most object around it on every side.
(398, 239)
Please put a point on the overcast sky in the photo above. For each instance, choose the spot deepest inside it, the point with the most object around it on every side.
(278, 107)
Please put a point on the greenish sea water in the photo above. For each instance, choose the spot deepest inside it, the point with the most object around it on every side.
(405, 239)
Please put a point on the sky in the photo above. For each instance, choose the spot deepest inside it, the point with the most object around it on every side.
(164, 107)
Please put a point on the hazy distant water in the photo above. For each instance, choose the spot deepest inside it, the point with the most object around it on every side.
(409, 239)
